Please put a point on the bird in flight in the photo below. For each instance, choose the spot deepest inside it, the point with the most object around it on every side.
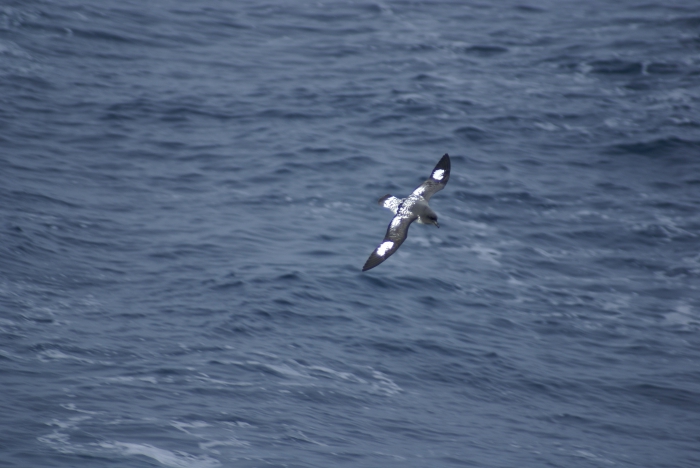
(406, 210)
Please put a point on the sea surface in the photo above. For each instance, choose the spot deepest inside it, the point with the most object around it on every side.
(188, 192)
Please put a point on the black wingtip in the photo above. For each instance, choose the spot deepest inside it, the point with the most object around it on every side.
(442, 170)
(372, 262)
(444, 163)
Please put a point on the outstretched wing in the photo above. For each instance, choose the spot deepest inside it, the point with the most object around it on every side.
(437, 181)
(395, 235)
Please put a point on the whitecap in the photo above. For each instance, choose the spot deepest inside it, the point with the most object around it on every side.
(164, 457)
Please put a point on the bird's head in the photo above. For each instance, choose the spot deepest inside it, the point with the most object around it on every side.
(432, 219)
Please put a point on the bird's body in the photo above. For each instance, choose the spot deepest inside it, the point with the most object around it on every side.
(412, 208)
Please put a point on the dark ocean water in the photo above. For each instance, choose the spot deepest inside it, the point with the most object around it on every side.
(188, 193)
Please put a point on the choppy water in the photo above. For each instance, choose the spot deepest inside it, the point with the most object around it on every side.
(188, 192)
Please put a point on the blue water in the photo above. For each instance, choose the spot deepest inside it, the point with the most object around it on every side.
(188, 193)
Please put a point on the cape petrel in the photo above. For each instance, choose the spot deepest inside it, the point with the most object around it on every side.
(406, 210)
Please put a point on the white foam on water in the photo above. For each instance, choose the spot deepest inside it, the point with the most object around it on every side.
(164, 457)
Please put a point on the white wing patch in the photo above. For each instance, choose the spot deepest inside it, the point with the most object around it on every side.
(382, 249)
(439, 174)
(395, 222)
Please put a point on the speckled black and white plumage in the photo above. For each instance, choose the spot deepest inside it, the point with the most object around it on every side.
(413, 208)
